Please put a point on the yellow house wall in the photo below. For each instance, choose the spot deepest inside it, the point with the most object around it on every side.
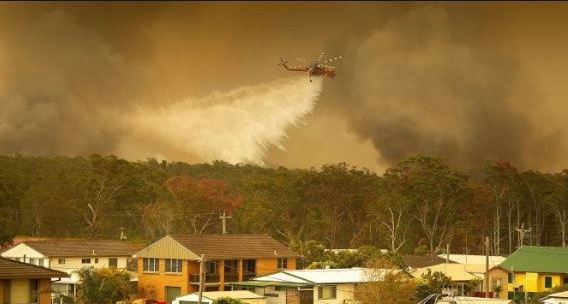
(534, 282)
(498, 273)
(152, 285)
(20, 291)
(555, 280)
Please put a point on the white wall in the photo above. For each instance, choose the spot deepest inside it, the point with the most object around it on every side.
(344, 292)
(281, 299)
(20, 251)
(76, 263)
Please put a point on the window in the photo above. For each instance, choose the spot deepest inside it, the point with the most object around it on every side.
(283, 263)
(132, 264)
(34, 290)
(212, 267)
(173, 265)
(112, 262)
(511, 277)
(86, 261)
(249, 266)
(326, 292)
(33, 261)
(96, 260)
(151, 264)
(547, 282)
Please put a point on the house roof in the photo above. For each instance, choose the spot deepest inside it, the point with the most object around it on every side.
(561, 295)
(538, 259)
(457, 272)
(472, 300)
(228, 246)
(474, 259)
(325, 276)
(236, 294)
(265, 284)
(81, 247)
(419, 261)
(10, 269)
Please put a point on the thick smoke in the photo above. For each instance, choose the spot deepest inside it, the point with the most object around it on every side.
(463, 81)
(421, 85)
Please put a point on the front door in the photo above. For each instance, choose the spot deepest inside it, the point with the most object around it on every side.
(306, 296)
(172, 293)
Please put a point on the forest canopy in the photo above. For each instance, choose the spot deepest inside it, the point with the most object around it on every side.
(418, 206)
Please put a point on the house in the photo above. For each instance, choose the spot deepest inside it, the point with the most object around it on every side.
(169, 267)
(473, 259)
(210, 296)
(420, 261)
(458, 274)
(312, 286)
(475, 264)
(530, 270)
(24, 283)
(69, 255)
(555, 298)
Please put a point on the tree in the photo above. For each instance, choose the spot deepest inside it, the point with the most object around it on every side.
(435, 191)
(558, 201)
(432, 282)
(385, 284)
(391, 209)
(103, 285)
(228, 300)
(201, 201)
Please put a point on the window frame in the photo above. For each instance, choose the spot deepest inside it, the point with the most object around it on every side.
(174, 265)
(115, 262)
(61, 261)
(548, 281)
(282, 263)
(146, 265)
(320, 292)
(85, 259)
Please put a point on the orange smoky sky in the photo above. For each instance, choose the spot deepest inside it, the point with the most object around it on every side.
(465, 81)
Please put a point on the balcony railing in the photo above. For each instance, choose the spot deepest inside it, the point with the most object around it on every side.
(209, 278)
(248, 275)
(231, 277)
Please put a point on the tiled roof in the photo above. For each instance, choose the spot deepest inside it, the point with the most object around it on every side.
(419, 261)
(229, 246)
(456, 272)
(80, 247)
(538, 259)
(327, 276)
(10, 269)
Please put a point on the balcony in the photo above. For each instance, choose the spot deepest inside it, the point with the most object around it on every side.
(231, 277)
(209, 278)
(247, 275)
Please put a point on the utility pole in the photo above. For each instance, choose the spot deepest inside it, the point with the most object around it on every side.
(487, 267)
(201, 279)
(522, 231)
(224, 219)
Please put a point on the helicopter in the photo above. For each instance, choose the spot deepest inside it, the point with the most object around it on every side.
(317, 68)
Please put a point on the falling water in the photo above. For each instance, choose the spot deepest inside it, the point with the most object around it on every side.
(236, 126)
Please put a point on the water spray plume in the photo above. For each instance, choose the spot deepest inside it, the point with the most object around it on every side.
(237, 126)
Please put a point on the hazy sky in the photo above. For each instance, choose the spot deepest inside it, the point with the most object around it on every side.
(464, 81)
